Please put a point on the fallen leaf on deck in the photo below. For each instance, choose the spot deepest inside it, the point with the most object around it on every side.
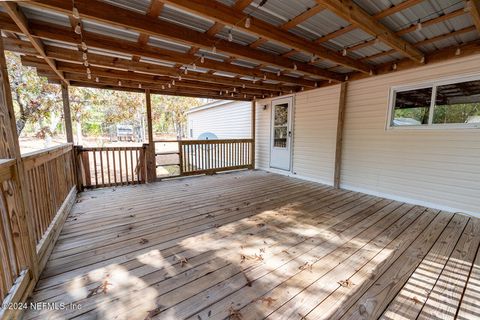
(234, 314)
(416, 300)
(261, 225)
(306, 266)
(102, 288)
(346, 283)
(183, 261)
(262, 250)
(255, 257)
(268, 300)
(285, 251)
(153, 313)
(143, 241)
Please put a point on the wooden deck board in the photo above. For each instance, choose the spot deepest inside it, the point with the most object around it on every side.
(258, 245)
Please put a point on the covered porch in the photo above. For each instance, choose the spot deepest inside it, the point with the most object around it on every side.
(254, 245)
(91, 232)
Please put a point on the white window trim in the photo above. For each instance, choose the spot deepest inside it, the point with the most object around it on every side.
(427, 84)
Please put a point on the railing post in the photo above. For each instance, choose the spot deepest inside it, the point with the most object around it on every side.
(151, 158)
(143, 162)
(10, 149)
(180, 156)
(66, 114)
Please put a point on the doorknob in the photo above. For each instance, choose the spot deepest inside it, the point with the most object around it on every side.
(289, 133)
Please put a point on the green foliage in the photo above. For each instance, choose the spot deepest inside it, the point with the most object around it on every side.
(457, 113)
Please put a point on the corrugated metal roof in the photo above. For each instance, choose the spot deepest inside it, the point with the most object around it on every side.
(109, 30)
(273, 47)
(140, 6)
(169, 45)
(244, 63)
(186, 19)
(36, 13)
(239, 36)
(159, 62)
(279, 11)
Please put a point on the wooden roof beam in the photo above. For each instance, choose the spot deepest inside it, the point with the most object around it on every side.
(427, 41)
(19, 18)
(108, 85)
(412, 28)
(156, 7)
(473, 6)
(67, 55)
(226, 15)
(396, 8)
(114, 15)
(302, 17)
(74, 72)
(58, 33)
(351, 12)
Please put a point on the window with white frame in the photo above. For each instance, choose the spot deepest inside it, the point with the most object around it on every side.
(454, 103)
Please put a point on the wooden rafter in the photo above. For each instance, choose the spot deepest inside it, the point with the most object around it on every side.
(303, 17)
(57, 33)
(473, 6)
(350, 11)
(413, 28)
(156, 7)
(114, 15)
(19, 18)
(426, 41)
(396, 8)
(226, 15)
(67, 55)
(451, 52)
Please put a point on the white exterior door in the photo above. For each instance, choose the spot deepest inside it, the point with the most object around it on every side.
(281, 134)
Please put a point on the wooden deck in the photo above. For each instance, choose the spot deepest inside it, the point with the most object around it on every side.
(254, 245)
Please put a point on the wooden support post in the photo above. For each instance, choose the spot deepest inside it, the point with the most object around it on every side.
(339, 141)
(10, 149)
(253, 133)
(66, 113)
(151, 161)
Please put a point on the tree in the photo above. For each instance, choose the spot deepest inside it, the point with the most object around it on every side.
(35, 100)
(171, 112)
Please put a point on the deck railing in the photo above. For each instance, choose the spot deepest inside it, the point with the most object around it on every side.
(51, 186)
(111, 166)
(206, 156)
(50, 176)
(36, 194)
(14, 247)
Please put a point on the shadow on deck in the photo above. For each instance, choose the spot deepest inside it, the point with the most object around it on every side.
(251, 245)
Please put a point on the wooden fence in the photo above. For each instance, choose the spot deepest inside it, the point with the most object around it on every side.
(111, 166)
(209, 156)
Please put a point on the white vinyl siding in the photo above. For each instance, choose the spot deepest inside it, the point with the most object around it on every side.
(262, 134)
(227, 121)
(438, 168)
(315, 131)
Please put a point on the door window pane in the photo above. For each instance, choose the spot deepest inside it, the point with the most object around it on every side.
(281, 114)
(412, 107)
(457, 103)
(280, 137)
